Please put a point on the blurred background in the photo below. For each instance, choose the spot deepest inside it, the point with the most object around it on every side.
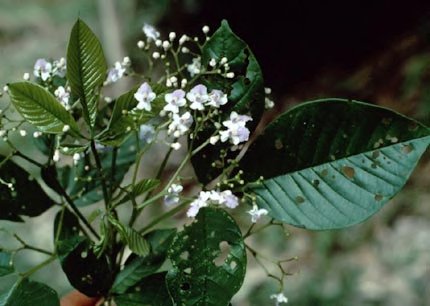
(375, 51)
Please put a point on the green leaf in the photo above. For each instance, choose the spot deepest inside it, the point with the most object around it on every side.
(245, 95)
(6, 264)
(24, 198)
(86, 68)
(66, 226)
(84, 186)
(333, 163)
(135, 241)
(200, 274)
(126, 118)
(140, 188)
(137, 268)
(151, 291)
(40, 108)
(29, 293)
(85, 271)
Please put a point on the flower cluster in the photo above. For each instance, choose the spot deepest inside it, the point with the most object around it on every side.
(279, 298)
(118, 71)
(205, 198)
(44, 69)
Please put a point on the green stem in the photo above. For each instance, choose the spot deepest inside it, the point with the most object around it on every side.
(38, 267)
(100, 173)
(30, 247)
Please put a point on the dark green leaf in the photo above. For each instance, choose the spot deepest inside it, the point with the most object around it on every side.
(29, 293)
(84, 186)
(66, 226)
(134, 240)
(85, 271)
(6, 264)
(137, 268)
(40, 108)
(333, 163)
(140, 188)
(245, 95)
(200, 274)
(151, 291)
(86, 68)
(24, 198)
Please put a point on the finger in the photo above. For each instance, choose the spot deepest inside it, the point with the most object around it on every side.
(75, 298)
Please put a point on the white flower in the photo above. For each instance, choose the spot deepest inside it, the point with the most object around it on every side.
(195, 207)
(195, 67)
(174, 100)
(180, 124)
(42, 69)
(115, 73)
(279, 298)
(236, 131)
(63, 96)
(198, 96)
(214, 139)
(145, 96)
(229, 199)
(217, 98)
(60, 67)
(146, 133)
(257, 213)
(172, 197)
(150, 32)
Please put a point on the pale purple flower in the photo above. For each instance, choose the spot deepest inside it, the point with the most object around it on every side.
(198, 96)
(279, 298)
(63, 96)
(224, 198)
(172, 197)
(150, 32)
(145, 96)
(236, 131)
(257, 213)
(174, 100)
(115, 73)
(229, 199)
(194, 208)
(180, 124)
(195, 67)
(217, 98)
(42, 69)
(146, 133)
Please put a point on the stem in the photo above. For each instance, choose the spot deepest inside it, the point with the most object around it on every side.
(38, 267)
(113, 166)
(164, 216)
(100, 172)
(30, 247)
(36, 163)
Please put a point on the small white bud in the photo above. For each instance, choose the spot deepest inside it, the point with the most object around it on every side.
(23, 133)
(158, 42)
(66, 149)
(156, 55)
(213, 140)
(230, 75)
(183, 39)
(5, 88)
(267, 90)
(2, 133)
(126, 61)
(223, 60)
(185, 50)
(168, 83)
(66, 128)
(56, 156)
(205, 29)
(176, 134)
(172, 36)
(76, 156)
(37, 134)
(141, 44)
(184, 83)
(212, 62)
(26, 76)
(166, 45)
(108, 99)
(173, 79)
(175, 146)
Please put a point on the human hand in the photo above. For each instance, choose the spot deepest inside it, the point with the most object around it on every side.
(75, 298)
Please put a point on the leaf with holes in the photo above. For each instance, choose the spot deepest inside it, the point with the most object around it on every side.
(93, 277)
(6, 264)
(29, 293)
(40, 108)
(150, 290)
(202, 273)
(86, 69)
(23, 197)
(245, 96)
(136, 268)
(333, 163)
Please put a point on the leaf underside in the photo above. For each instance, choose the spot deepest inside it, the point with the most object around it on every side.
(333, 163)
